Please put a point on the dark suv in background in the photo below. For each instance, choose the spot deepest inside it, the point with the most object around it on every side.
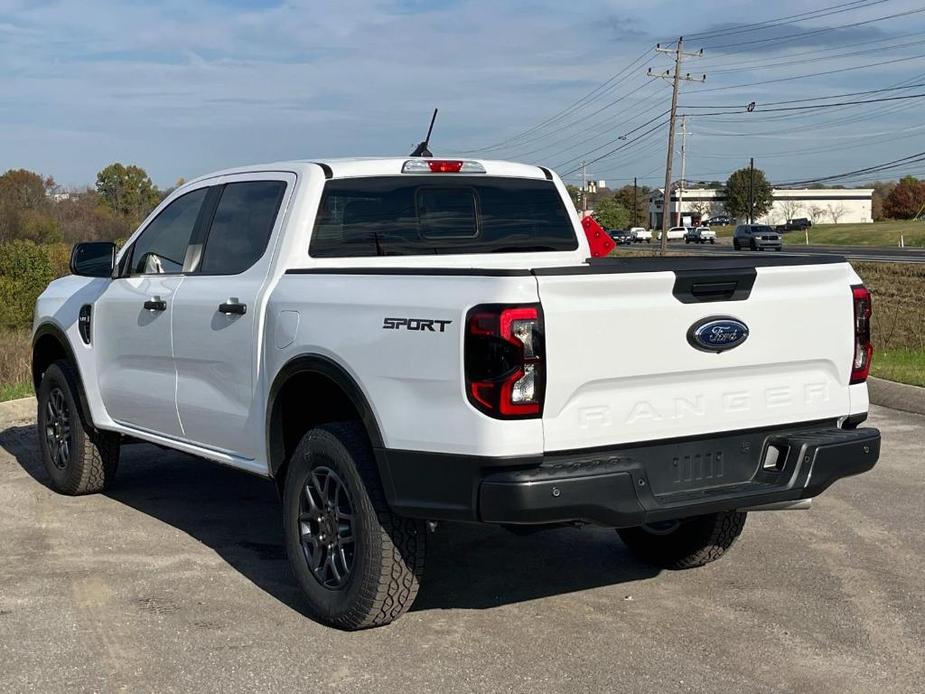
(756, 237)
(798, 224)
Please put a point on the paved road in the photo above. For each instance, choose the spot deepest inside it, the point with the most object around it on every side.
(866, 253)
(176, 581)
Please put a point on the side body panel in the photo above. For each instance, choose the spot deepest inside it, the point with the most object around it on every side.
(134, 353)
(412, 378)
(217, 355)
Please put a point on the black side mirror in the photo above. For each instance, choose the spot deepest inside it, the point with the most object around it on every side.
(93, 258)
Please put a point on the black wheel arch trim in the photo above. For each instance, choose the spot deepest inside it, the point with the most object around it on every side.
(55, 331)
(329, 368)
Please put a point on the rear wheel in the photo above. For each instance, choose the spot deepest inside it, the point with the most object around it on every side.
(735, 245)
(686, 543)
(359, 564)
(78, 458)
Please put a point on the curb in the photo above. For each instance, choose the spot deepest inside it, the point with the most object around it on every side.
(897, 396)
(19, 410)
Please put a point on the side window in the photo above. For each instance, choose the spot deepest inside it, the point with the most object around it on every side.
(161, 248)
(241, 226)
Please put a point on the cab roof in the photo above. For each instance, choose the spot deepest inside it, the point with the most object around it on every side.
(380, 166)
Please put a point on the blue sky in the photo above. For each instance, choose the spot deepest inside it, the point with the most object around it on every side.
(183, 88)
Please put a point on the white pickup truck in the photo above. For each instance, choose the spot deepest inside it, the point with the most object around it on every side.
(402, 341)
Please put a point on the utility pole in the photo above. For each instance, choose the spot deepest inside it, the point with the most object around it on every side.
(584, 189)
(683, 167)
(751, 189)
(635, 204)
(675, 78)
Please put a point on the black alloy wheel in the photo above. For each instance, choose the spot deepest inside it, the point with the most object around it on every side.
(58, 429)
(326, 527)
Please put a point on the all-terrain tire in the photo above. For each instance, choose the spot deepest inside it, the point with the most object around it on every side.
(388, 550)
(92, 457)
(691, 543)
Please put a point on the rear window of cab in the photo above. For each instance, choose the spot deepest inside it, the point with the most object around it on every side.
(438, 215)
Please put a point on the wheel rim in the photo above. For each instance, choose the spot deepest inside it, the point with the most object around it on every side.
(58, 428)
(326, 528)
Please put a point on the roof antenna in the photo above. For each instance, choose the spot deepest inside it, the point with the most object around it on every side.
(421, 150)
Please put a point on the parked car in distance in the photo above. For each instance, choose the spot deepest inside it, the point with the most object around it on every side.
(641, 234)
(719, 221)
(674, 233)
(756, 237)
(798, 224)
(700, 235)
(621, 237)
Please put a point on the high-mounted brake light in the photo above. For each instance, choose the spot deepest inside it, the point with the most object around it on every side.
(863, 349)
(441, 166)
(505, 370)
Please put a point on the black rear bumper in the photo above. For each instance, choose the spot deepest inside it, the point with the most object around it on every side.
(631, 485)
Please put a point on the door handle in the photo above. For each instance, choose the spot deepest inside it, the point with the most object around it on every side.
(155, 304)
(232, 307)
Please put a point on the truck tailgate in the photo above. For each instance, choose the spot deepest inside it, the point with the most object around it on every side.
(621, 367)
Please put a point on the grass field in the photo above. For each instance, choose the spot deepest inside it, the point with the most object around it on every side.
(15, 365)
(903, 365)
(875, 234)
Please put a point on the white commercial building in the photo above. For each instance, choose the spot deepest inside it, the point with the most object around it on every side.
(820, 205)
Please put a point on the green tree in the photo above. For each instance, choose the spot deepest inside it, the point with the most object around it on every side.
(127, 190)
(737, 193)
(25, 207)
(25, 271)
(624, 196)
(882, 190)
(575, 194)
(611, 214)
(906, 199)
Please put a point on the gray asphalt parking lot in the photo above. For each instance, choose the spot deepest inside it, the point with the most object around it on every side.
(176, 580)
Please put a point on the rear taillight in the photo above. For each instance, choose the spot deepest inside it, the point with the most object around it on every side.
(505, 370)
(863, 349)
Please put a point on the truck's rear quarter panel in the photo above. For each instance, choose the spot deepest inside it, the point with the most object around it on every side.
(412, 378)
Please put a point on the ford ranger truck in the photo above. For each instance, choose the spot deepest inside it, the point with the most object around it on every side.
(396, 342)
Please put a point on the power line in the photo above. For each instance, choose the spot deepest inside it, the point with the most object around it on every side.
(813, 107)
(903, 161)
(802, 59)
(814, 98)
(561, 114)
(620, 137)
(816, 32)
(791, 19)
(569, 125)
(816, 74)
(623, 146)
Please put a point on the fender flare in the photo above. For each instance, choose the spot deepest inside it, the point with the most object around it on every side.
(322, 366)
(55, 331)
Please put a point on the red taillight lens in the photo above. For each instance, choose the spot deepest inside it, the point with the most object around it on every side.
(863, 349)
(444, 166)
(505, 371)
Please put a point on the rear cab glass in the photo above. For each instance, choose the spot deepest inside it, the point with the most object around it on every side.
(438, 215)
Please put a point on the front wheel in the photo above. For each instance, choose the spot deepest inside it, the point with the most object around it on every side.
(685, 543)
(359, 564)
(78, 458)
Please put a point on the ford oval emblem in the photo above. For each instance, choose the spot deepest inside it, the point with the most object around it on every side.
(717, 334)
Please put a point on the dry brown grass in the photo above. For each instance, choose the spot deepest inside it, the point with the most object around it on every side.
(899, 304)
(15, 357)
